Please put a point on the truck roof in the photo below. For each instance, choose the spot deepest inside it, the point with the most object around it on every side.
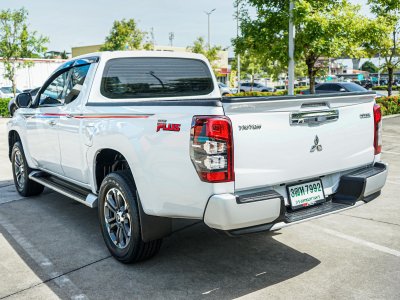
(118, 54)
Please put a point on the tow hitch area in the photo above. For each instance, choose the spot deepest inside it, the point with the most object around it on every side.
(354, 189)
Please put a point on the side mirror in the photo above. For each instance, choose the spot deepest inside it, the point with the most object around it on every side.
(342, 90)
(23, 100)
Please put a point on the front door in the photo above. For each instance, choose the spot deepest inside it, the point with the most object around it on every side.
(43, 125)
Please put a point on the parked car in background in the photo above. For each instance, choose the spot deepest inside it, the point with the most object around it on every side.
(225, 90)
(12, 106)
(336, 87)
(255, 87)
(7, 92)
(364, 83)
(383, 82)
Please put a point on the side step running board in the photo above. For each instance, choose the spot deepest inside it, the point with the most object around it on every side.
(65, 188)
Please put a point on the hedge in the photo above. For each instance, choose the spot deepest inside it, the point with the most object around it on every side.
(4, 107)
(389, 105)
(264, 94)
(384, 88)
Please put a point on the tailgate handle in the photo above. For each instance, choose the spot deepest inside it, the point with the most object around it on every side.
(314, 117)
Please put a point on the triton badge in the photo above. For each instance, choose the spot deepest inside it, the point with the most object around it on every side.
(316, 145)
(365, 116)
(163, 125)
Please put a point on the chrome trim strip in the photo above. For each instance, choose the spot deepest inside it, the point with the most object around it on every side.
(314, 117)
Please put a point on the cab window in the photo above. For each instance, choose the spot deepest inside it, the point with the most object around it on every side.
(53, 94)
(65, 88)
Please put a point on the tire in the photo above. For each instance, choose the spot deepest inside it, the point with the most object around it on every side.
(13, 109)
(123, 222)
(25, 187)
(242, 91)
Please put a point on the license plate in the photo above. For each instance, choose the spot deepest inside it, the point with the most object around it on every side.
(306, 194)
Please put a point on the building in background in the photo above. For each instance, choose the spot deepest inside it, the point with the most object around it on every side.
(57, 55)
(31, 76)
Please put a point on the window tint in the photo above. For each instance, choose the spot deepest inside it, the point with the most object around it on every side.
(53, 94)
(353, 87)
(323, 87)
(336, 87)
(77, 77)
(65, 88)
(155, 77)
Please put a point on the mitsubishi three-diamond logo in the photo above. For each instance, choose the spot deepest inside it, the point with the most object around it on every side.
(316, 145)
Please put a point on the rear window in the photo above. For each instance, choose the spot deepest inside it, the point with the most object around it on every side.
(155, 77)
(353, 87)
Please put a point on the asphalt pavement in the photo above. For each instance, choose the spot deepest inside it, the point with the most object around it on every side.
(51, 248)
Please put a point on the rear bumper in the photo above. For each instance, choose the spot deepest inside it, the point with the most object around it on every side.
(267, 211)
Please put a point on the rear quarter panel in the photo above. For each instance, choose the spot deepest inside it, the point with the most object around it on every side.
(165, 177)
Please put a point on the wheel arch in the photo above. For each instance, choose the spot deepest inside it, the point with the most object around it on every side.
(107, 160)
(13, 137)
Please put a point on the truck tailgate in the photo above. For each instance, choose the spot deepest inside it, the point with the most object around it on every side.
(286, 139)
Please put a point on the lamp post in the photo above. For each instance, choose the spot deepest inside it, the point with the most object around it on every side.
(208, 15)
(237, 36)
(291, 50)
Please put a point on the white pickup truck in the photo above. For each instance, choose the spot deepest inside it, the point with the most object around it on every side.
(147, 138)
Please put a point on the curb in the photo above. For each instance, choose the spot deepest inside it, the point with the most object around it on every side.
(391, 116)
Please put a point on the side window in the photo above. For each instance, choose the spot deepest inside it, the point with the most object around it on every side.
(53, 94)
(65, 88)
(77, 77)
(326, 87)
(336, 87)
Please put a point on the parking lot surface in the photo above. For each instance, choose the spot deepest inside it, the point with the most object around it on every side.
(51, 248)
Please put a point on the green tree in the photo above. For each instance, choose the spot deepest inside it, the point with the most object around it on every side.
(250, 66)
(64, 55)
(324, 28)
(383, 35)
(370, 67)
(212, 54)
(17, 42)
(125, 35)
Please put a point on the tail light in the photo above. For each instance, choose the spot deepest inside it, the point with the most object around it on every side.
(377, 129)
(211, 148)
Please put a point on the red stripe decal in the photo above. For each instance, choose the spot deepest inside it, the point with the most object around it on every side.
(98, 116)
(111, 117)
(54, 115)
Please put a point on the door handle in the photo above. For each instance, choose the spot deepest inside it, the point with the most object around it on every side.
(52, 123)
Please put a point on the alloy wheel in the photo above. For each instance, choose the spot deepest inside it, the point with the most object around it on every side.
(117, 218)
(19, 169)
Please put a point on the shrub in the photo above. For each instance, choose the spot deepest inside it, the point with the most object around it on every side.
(264, 94)
(384, 88)
(258, 94)
(4, 107)
(389, 105)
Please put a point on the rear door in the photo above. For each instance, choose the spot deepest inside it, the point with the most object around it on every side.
(279, 141)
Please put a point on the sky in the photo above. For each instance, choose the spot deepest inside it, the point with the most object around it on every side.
(87, 22)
